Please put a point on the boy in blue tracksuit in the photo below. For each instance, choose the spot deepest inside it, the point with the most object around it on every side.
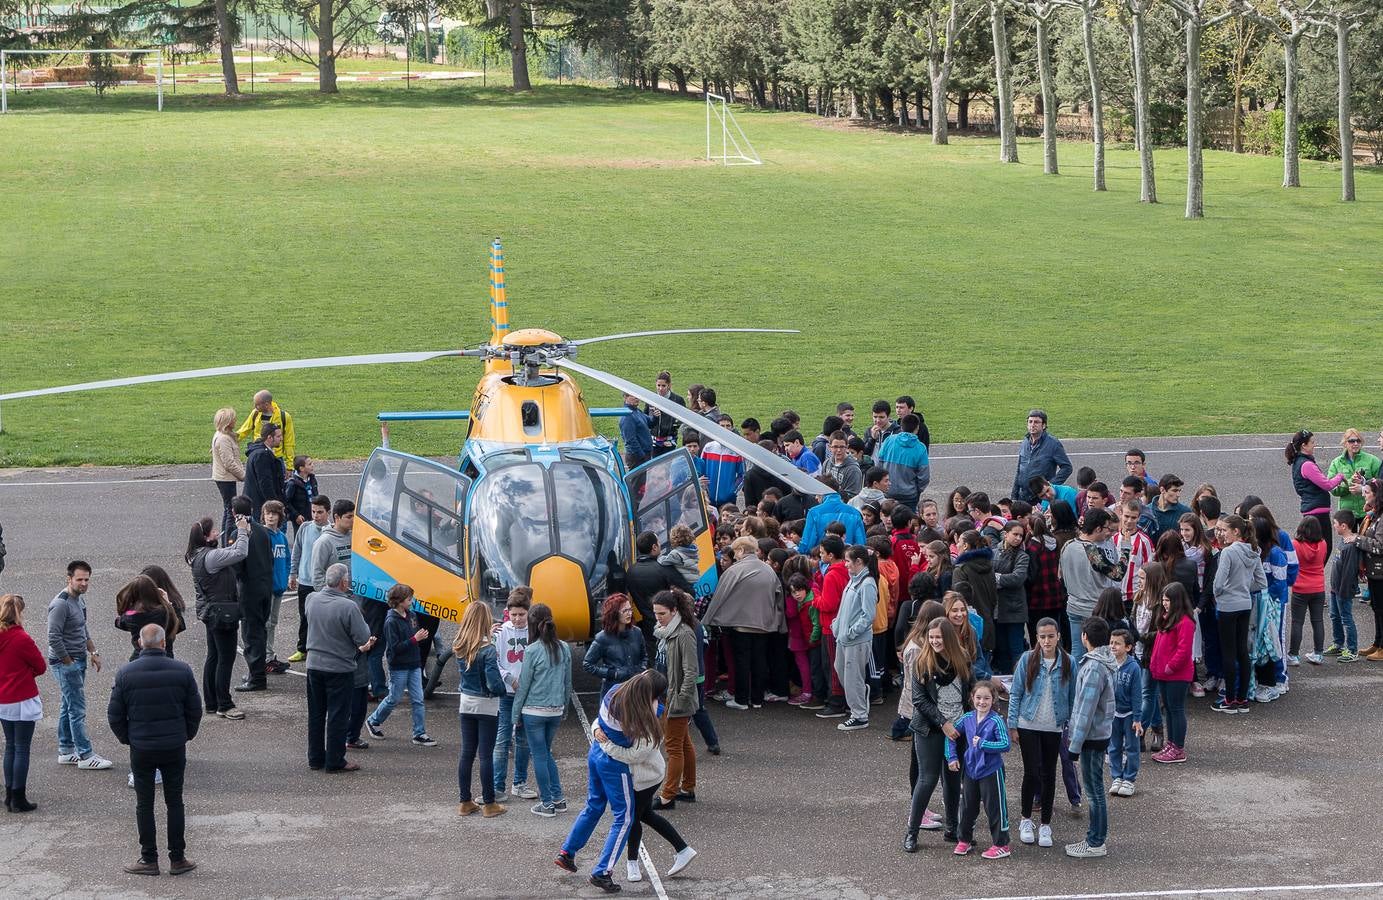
(273, 515)
(986, 741)
(1123, 740)
(610, 784)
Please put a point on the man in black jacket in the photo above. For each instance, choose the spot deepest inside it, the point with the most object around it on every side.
(264, 479)
(645, 579)
(664, 427)
(256, 577)
(155, 708)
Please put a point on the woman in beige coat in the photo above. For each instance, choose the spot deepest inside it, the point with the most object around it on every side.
(227, 471)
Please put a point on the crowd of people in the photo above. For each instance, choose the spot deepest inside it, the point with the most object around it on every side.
(1072, 621)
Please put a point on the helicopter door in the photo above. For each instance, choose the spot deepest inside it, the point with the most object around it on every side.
(410, 527)
(666, 491)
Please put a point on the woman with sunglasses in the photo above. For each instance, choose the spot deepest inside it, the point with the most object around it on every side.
(1312, 485)
(1357, 465)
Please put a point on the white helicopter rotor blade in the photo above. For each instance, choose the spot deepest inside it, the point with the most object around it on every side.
(634, 334)
(318, 363)
(753, 453)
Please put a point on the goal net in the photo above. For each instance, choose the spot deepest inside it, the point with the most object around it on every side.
(723, 133)
(106, 73)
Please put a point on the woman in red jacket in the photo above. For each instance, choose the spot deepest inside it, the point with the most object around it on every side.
(20, 707)
(1172, 666)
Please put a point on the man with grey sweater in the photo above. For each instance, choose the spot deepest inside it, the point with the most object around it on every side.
(336, 636)
(69, 647)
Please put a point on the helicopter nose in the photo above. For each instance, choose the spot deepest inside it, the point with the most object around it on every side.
(560, 583)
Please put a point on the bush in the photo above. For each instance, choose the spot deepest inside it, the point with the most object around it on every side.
(1264, 130)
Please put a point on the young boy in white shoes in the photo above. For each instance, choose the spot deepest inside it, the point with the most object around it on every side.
(1128, 690)
(1092, 722)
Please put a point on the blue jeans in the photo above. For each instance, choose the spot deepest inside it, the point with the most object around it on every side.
(1342, 630)
(72, 736)
(1151, 709)
(400, 680)
(379, 684)
(509, 725)
(1123, 750)
(1077, 645)
(1008, 645)
(702, 719)
(1092, 777)
(1173, 694)
(541, 730)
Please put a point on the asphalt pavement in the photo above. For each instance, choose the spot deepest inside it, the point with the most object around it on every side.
(1273, 804)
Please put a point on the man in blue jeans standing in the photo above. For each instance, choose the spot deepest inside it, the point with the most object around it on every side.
(69, 648)
(1092, 723)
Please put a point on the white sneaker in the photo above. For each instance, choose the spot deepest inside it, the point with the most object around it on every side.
(1293, 660)
(731, 704)
(525, 791)
(1266, 694)
(1197, 689)
(1127, 789)
(69, 759)
(1315, 659)
(634, 872)
(681, 861)
(1026, 832)
(771, 697)
(1283, 688)
(94, 762)
(1044, 836)
(158, 777)
(1085, 851)
(1115, 786)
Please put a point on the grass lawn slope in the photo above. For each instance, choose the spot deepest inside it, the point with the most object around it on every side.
(291, 225)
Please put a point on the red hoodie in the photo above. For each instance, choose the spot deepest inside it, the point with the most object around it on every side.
(832, 590)
(907, 556)
(20, 663)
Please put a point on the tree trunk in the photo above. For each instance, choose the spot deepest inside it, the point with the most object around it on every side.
(1142, 127)
(1342, 29)
(939, 85)
(326, 46)
(518, 47)
(1044, 70)
(1096, 93)
(962, 111)
(681, 75)
(1195, 171)
(225, 33)
(1291, 152)
(1008, 139)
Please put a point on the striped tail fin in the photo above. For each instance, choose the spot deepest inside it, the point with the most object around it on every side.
(499, 305)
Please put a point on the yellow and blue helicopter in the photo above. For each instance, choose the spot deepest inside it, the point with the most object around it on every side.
(537, 496)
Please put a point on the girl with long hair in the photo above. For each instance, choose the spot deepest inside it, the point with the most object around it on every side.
(541, 703)
(938, 558)
(1171, 553)
(644, 757)
(1268, 641)
(955, 502)
(1371, 543)
(1039, 707)
(481, 688)
(1238, 577)
(1311, 484)
(217, 607)
(227, 469)
(1308, 592)
(142, 602)
(21, 663)
(1046, 592)
(942, 680)
(1172, 667)
(1149, 583)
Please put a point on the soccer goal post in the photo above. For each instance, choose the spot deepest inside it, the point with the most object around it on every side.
(6, 57)
(735, 149)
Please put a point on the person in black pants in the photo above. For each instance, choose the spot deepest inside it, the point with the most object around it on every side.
(336, 636)
(256, 576)
(218, 607)
(155, 709)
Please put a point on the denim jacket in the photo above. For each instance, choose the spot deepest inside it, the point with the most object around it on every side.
(481, 678)
(1024, 698)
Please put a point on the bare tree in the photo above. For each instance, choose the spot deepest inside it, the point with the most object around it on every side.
(226, 32)
(941, 27)
(1342, 17)
(1137, 10)
(518, 46)
(333, 24)
(1290, 25)
(1003, 78)
(1195, 18)
(1042, 12)
(1089, 9)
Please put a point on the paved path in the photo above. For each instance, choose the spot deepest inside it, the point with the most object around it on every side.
(793, 808)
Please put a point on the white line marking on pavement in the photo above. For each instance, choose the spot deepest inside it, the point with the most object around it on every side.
(1117, 452)
(1198, 892)
(152, 480)
(647, 860)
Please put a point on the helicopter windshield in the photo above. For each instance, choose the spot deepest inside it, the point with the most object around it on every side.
(513, 526)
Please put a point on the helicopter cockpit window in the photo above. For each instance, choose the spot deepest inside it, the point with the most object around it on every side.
(431, 506)
(510, 524)
(590, 518)
(377, 491)
(665, 495)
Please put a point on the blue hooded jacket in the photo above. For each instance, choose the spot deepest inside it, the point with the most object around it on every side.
(831, 509)
(909, 467)
(1046, 458)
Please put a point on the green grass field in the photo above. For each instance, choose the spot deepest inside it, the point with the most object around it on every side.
(292, 225)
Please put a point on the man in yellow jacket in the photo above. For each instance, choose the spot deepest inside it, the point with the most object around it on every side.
(266, 410)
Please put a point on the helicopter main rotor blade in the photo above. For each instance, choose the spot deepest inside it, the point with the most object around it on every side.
(634, 334)
(753, 453)
(318, 363)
